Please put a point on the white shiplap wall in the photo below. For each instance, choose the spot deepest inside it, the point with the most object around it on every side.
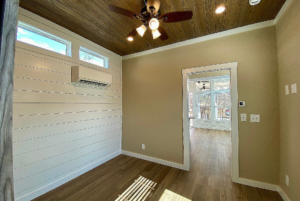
(60, 130)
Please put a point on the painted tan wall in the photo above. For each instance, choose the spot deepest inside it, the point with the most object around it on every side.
(288, 40)
(152, 99)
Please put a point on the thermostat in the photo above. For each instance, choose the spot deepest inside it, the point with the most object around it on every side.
(242, 104)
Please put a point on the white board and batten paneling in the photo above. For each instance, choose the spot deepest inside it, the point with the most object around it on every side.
(61, 130)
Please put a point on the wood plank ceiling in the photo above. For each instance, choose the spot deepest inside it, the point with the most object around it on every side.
(93, 20)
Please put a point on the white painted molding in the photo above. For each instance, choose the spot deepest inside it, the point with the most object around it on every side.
(154, 160)
(283, 10)
(203, 38)
(257, 184)
(282, 194)
(67, 178)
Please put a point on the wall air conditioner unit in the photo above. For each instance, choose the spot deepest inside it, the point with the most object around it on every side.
(90, 77)
(254, 2)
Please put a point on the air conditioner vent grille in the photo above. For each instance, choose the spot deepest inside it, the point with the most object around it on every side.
(93, 83)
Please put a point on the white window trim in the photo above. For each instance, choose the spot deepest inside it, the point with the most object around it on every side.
(105, 59)
(48, 35)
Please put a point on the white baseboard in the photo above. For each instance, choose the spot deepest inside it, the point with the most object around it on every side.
(282, 194)
(257, 184)
(67, 178)
(155, 160)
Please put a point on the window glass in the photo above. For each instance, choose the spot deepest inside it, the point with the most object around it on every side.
(222, 85)
(92, 57)
(204, 106)
(33, 37)
(222, 106)
(203, 86)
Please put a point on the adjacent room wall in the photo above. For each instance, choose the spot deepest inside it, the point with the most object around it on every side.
(288, 40)
(61, 131)
(152, 99)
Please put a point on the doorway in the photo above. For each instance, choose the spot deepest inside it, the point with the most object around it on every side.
(208, 111)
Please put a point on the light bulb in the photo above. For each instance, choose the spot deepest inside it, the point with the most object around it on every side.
(220, 9)
(156, 34)
(130, 38)
(154, 24)
(141, 30)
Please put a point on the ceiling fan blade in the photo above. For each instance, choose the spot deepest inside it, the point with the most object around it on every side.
(153, 4)
(177, 16)
(122, 11)
(164, 35)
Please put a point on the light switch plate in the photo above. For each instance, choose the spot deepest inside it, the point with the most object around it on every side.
(287, 91)
(287, 180)
(254, 118)
(243, 117)
(294, 88)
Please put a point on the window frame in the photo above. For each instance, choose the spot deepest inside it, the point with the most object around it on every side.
(95, 54)
(46, 34)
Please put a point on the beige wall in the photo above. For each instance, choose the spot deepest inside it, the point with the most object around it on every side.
(288, 40)
(60, 133)
(152, 99)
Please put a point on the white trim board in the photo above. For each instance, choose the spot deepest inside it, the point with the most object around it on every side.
(154, 160)
(216, 35)
(203, 38)
(283, 9)
(67, 178)
(282, 194)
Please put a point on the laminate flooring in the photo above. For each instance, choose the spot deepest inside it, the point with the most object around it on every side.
(208, 180)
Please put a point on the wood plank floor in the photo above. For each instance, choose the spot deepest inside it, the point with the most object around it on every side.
(208, 180)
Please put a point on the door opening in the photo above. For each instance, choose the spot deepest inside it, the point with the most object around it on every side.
(210, 105)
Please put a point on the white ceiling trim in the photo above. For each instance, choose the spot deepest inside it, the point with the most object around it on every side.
(282, 10)
(203, 38)
(214, 36)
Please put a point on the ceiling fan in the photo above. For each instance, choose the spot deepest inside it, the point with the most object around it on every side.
(203, 84)
(151, 17)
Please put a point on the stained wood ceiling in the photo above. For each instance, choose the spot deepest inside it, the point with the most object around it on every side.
(92, 19)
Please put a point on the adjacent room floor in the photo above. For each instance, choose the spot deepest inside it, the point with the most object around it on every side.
(208, 179)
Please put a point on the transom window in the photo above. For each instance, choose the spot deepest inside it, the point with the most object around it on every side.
(39, 38)
(93, 57)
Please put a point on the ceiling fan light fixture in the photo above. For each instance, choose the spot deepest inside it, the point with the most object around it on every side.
(156, 34)
(220, 9)
(154, 24)
(141, 30)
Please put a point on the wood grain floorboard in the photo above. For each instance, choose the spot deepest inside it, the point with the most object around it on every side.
(208, 180)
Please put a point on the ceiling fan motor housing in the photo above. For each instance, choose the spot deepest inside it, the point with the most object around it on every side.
(254, 2)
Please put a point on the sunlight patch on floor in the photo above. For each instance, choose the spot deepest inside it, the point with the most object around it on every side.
(140, 190)
(170, 196)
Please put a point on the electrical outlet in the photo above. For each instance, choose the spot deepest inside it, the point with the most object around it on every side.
(254, 118)
(294, 88)
(243, 117)
(287, 180)
(287, 91)
(143, 146)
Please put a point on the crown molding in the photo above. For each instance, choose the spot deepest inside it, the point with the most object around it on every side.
(203, 38)
(284, 8)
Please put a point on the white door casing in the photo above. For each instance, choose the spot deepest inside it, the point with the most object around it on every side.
(232, 67)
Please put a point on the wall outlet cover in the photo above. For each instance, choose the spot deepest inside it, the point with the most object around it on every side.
(143, 146)
(243, 117)
(287, 180)
(287, 91)
(294, 88)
